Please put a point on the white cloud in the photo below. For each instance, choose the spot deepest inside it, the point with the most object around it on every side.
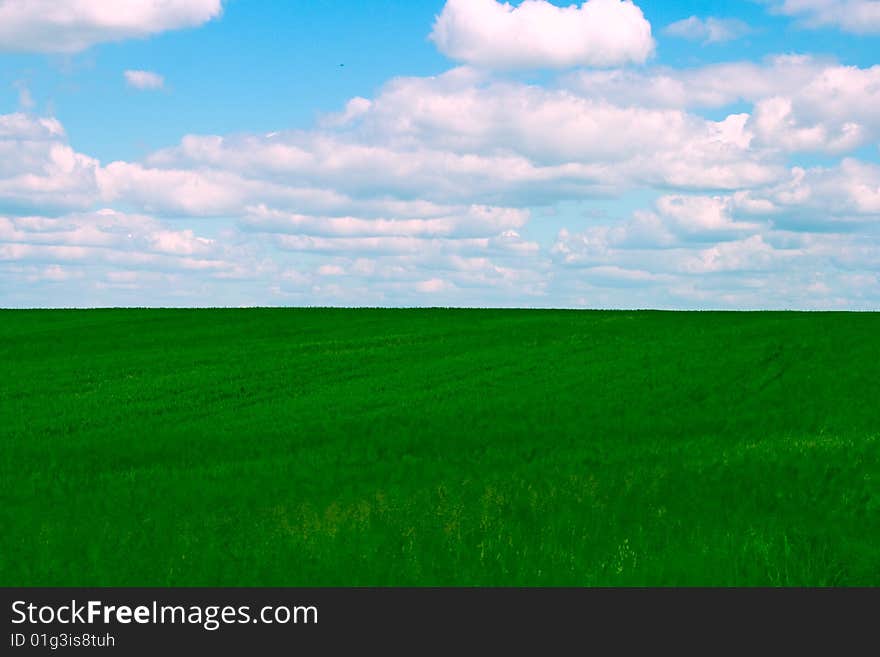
(455, 139)
(708, 30)
(538, 34)
(473, 221)
(102, 257)
(108, 257)
(443, 179)
(173, 191)
(39, 170)
(145, 80)
(25, 127)
(856, 16)
(776, 123)
(748, 255)
(675, 222)
(799, 103)
(57, 273)
(843, 200)
(768, 269)
(811, 242)
(710, 86)
(832, 113)
(432, 285)
(105, 229)
(404, 269)
(702, 217)
(612, 276)
(331, 270)
(354, 108)
(66, 26)
(820, 198)
(505, 245)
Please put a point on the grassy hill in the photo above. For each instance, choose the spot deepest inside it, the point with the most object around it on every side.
(438, 447)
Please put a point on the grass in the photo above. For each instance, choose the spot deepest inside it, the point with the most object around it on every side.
(438, 447)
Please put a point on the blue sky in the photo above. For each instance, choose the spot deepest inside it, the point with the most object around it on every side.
(468, 153)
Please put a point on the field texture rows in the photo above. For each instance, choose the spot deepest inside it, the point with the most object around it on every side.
(438, 447)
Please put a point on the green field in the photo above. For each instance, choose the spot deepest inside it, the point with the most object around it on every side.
(438, 447)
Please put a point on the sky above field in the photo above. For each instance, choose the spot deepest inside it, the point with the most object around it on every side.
(610, 154)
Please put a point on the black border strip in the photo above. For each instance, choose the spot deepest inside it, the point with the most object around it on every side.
(417, 620)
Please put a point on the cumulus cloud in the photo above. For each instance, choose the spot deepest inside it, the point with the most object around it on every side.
(856, 16)
(91, 256)
(675, 222)
(38, 168)
(537, 34)
(473, 221)
(508, 244)
(424, 271)
(832, 113)
(811, 241)
(68, 26)
(354, 108)
(752, 254)
(104, 229)
(459, 139)
(702, 217)
(842, 197)
(432, 285)
(703, 87)
(767, 269)
(440, 190)
(145, 80)
(799, 103)
(708, 30)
